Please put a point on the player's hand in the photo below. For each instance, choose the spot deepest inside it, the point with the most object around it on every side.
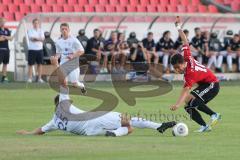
(22, 132)
(174, 107)
(177, 22)
(54, 60)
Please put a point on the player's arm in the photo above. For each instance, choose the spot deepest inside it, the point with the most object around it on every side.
(180, 31)
(37, 131)
(181, 99)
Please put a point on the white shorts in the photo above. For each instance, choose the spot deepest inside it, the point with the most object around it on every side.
(160, 53)
(100, 125)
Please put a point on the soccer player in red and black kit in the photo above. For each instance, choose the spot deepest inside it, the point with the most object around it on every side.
(195, 73)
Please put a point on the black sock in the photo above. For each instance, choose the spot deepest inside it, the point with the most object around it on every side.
(195, 115)
(3, 78)
(204, 108)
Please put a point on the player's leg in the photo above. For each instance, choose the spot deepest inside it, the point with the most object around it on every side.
(139, 122)
(6, 57)
(212, 60)
(39, 61)
(229, 61)
(238, 56)
(220, 60)
(31, 61)
(205, 93)
(73, 78)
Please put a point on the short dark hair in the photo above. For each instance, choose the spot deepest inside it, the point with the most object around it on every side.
(185, 31)
(150, 33)
(177, 59)
(34, 20)
(197, 28)
(64, 25)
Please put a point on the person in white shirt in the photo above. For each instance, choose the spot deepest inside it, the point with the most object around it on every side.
(35, 50)
(69, 49)
(109, 124)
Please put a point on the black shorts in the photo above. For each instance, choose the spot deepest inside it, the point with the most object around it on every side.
(4, 56)
(206, 91)
(35, 56)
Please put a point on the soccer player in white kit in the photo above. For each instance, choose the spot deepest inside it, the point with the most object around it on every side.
(69, 49)
(110, 124)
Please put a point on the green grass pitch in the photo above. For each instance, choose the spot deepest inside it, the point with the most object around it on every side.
(28, 107)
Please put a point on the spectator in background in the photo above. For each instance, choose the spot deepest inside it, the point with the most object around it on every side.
(149, 45)
(165, 48)
(233, 51)
(35, 50)
(95, 46)
(139, 59)
(205, 36)
(82, 38)
(49, 48)
(223, 53)
(197, 45)
(5, 36)
(214, 46)
(132, 40)
(124, 51)
(111, 48)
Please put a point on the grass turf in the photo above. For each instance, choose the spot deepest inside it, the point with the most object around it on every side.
(28, 107)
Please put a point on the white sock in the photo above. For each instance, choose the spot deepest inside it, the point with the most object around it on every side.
(79, 84)
(212, 60)
(229, 62)
(165, 61)
(121, 131)
(219, 61)
(200, 59)
(143, 123)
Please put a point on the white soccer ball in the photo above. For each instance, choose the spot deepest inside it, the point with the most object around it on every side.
(180, 130)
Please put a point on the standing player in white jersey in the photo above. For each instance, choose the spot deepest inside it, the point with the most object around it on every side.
(110, 124)
(69, 49)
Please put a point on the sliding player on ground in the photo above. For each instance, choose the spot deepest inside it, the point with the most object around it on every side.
(111, 124)
(195, 73)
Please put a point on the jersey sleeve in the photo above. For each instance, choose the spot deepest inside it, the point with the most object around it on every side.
(186, 53)
(50, 126)
(77, 46)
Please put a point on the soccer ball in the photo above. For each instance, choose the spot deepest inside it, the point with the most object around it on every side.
(180, 130)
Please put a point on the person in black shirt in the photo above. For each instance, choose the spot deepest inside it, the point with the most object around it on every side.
(124, 51)
(214, 47)
(226, 42)
(149, 45)
(233, 51)
(139, 59)
(95, 46)
(197, 45)
(111, 48)
(82, 38)
(5, 36)
(165, 48)
(49, 48)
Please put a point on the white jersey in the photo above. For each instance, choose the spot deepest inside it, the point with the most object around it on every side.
(97, 126)
(33, 33)
(68, 46)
